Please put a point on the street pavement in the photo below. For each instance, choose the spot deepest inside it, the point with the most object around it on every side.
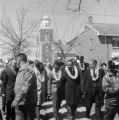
(80, 114)
(47, 111)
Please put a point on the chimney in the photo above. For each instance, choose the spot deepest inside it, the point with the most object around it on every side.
(90, 19)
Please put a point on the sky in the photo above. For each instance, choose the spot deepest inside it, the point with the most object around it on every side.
(65, 21)
(66, 24)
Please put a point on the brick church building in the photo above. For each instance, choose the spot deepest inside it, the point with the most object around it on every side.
(97, 41)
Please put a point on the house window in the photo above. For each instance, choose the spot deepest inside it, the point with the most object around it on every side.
(115, 41)
(91, 44)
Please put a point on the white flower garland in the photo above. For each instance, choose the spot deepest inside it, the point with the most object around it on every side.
(57, 75)
(71, 76)
(82, 68)
(96, 73)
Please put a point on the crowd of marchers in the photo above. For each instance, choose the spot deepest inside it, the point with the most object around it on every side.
(26, 85)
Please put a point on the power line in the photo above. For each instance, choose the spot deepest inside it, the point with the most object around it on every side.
(100, 14)
(95, 14)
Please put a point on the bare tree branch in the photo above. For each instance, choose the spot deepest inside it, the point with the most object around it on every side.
(13, 30)
(72, 45)
(8, 33)
(30, 31)
(65, 31)
(16, 37)
(55, 18)
(6, 42)
(75, 9)
(80, 5)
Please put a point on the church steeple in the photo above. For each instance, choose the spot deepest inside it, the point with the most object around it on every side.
(45, 22)
(46, 39)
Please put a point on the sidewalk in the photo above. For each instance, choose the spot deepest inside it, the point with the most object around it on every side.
(80, 115)
(48, 111)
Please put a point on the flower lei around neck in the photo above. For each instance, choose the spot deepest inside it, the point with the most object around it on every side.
(57, 75)
(96, 74)
(82, 68)
(69, 73)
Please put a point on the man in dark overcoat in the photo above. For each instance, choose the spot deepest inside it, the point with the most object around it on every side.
(82, 66)
(71, 80)
(8, 77)
(25, 89)
(92, 86)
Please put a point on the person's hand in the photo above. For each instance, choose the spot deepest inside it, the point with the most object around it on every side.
(49, 97)
(14, 104)
(83, 94)
(3, 95)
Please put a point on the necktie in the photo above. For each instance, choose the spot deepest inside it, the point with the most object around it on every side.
(94, 75)
(82, 65)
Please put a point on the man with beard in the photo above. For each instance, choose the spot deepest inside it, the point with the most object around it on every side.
(25, 100)
(54, 89)
(71, 79)
(92, 86)
(9, 77)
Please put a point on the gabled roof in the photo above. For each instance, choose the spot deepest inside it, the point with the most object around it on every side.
(100, 29)
(105, 29)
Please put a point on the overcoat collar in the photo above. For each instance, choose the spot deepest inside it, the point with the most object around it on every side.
(26, 65)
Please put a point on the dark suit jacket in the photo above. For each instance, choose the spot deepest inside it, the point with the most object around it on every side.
(8, 77)
(88, 85)
(72, 88)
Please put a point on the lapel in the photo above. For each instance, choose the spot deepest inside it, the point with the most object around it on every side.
(14, 72)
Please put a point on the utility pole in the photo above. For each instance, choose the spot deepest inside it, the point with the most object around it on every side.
(107, 43)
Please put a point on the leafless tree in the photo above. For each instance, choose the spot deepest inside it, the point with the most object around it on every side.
(61, 45)
(66, 48)
(16, 37)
